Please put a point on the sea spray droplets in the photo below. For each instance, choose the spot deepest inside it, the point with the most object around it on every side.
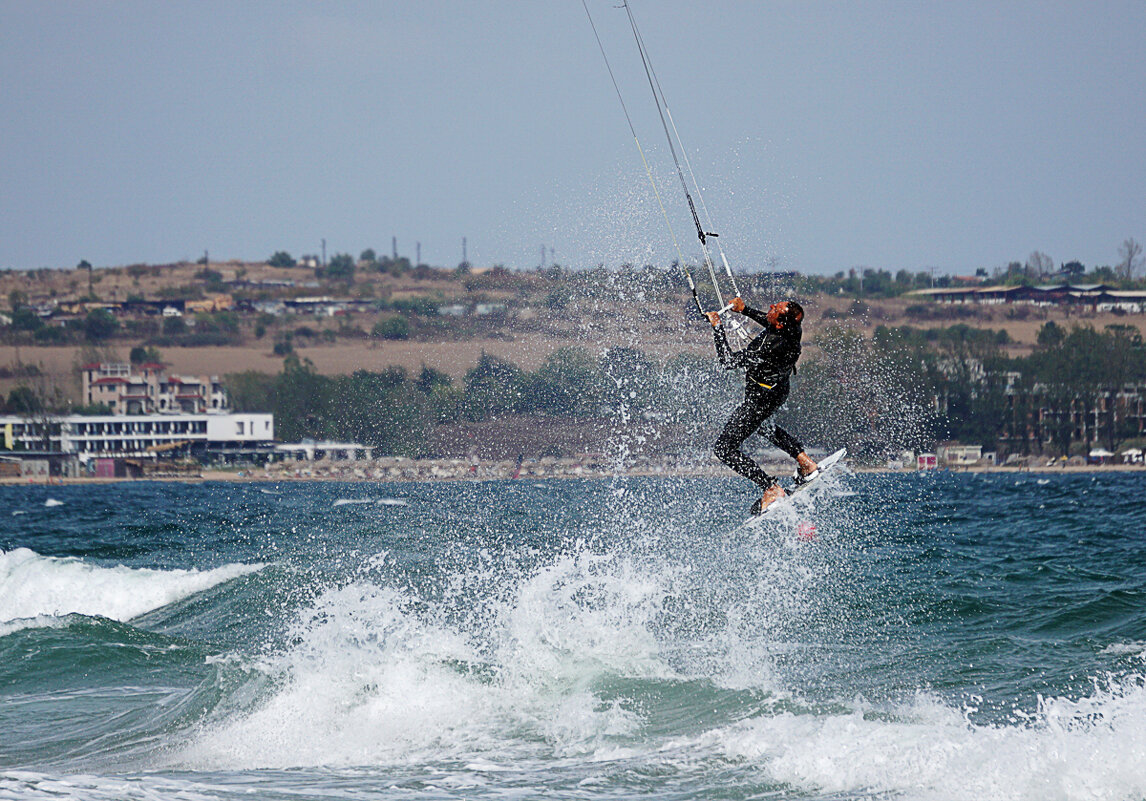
(849, 392)
(376, 674)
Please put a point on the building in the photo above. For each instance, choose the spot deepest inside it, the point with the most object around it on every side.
(310, 450)
(953, 453)
(144, 435)
(1095, 297)
(149, 389)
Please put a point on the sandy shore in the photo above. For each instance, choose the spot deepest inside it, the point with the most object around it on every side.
(421, 470)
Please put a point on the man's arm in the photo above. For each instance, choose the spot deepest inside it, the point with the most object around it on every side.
(728, 359)
(756, 315)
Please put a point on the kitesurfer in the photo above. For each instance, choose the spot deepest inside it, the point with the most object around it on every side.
(768, 360)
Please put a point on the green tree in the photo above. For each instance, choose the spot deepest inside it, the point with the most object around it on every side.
(141, 354)
(100, 324)
(251, 391)
(174, 326)
(341, 267)
(493, 387)
(301, 401)
(1050, 335)
(24, 401)
(392, 328)
(568, 383)
(281, 259)
(24, 319)
(430, 379)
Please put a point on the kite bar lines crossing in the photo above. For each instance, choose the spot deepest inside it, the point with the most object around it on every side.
(672, 134)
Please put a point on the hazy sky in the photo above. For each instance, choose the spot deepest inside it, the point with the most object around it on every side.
(825, 135)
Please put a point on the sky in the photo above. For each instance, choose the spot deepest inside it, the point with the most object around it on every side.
(824, 135)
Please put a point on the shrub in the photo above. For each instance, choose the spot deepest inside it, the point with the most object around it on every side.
(392, 328)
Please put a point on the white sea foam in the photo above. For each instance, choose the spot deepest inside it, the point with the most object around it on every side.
(392, 502)
(38, 622)
(1086, 748)
(53, 502)
(38, 587)
(21, 784)
(352, 501)
(375, 676)
(1136, 648)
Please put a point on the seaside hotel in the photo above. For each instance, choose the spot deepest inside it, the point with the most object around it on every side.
(149, 413)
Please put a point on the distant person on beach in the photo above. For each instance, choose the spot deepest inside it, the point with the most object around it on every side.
(768, 361)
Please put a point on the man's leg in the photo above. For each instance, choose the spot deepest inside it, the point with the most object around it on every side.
(791, 446)
(743, 423)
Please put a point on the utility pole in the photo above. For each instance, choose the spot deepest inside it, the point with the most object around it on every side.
(464, 259)
(394, 247)
(418, 251)
(324, 254)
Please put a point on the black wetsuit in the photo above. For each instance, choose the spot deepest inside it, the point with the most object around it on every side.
(769, 361)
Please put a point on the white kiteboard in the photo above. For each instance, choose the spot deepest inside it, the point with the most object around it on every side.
(826, 465)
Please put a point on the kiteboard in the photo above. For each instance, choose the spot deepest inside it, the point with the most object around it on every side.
(826, 465)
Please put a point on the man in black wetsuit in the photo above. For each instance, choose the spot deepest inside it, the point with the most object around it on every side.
(768, 360)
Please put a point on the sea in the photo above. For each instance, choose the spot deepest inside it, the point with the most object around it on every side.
(883, 636)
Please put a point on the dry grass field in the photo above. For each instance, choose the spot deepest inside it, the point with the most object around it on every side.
(526, 335)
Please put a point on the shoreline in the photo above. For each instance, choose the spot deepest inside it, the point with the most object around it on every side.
(394, 470)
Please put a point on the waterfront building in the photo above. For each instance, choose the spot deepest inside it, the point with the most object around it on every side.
(149, 389)
(145, 435)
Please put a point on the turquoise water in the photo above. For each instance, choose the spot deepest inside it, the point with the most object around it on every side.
(892, 636)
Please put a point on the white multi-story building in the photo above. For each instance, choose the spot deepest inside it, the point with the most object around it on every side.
(150, 389)
(138, 435)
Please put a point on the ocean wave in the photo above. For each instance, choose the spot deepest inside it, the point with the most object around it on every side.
(38, 588)
(1087, 747)
(377, 675)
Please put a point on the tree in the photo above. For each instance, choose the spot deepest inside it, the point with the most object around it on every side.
(1039, 264)
(1050, 335)
(301, 401)
(341, 267)
(494, 386)
(1130, 255)
(24, 401)
(24, 319)
(430, 379)
(568, 383)
(250, 391)
(99, 325)
(392, 328)
(145, 355)
(281, 259)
